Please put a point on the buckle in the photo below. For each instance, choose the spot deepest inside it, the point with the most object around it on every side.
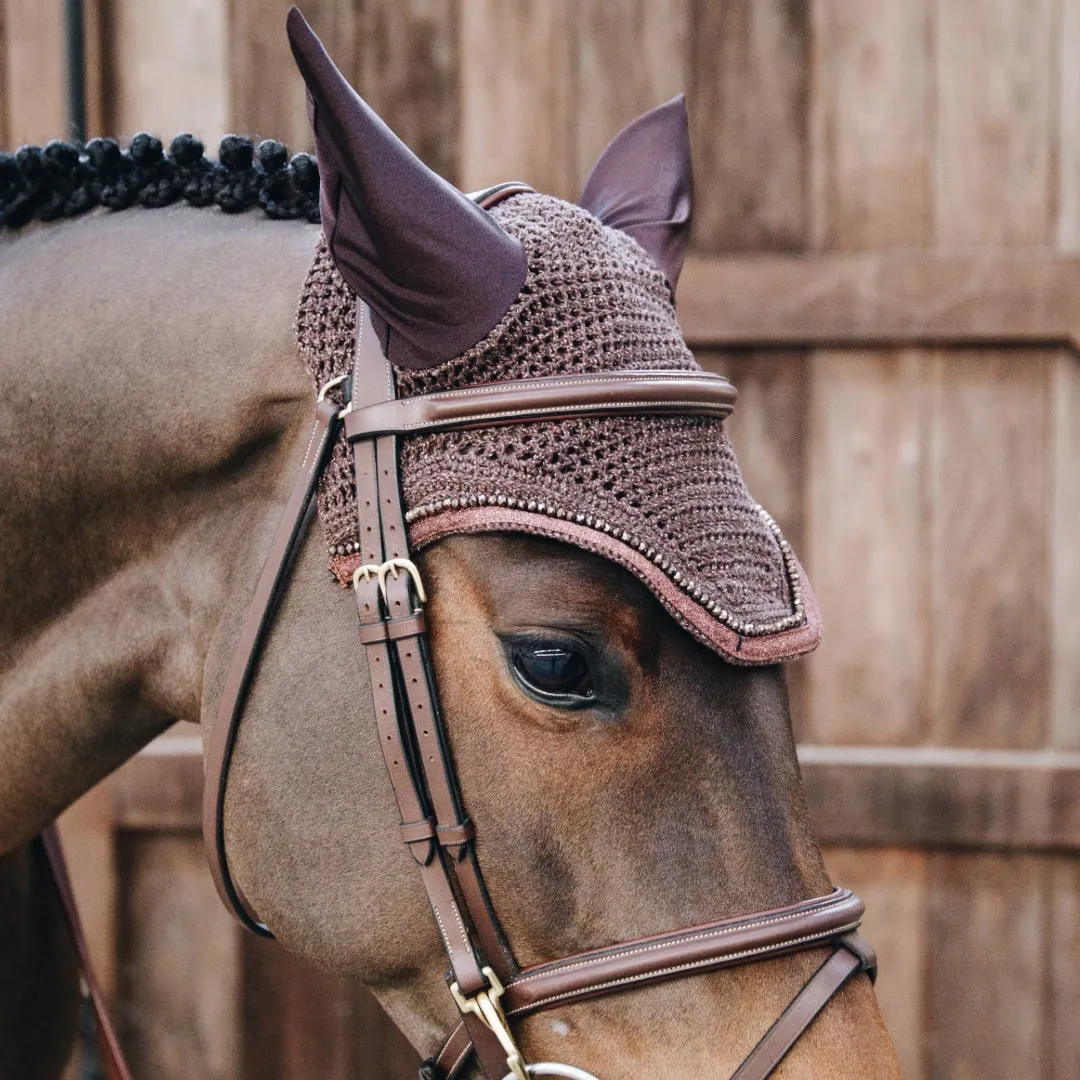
(485, 1005)
(393, 567)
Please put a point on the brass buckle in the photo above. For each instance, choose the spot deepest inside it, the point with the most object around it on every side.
(392, 566)
(485, 1004)
(366, 573)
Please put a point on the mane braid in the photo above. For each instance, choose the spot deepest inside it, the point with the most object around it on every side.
(64, 179)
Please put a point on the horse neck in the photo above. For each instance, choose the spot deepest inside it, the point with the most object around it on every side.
(151, 396)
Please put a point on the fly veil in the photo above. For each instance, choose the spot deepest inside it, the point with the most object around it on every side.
(512, 362)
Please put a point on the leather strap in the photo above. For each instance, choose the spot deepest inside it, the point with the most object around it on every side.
(823, 986)
(654, 393)
(268, 590)
(411, 735)
(112, 1055)
(728, 943)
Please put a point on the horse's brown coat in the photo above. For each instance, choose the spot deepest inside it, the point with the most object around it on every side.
(152, 410)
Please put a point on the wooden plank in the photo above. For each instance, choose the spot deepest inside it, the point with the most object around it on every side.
(996, 121)
(892, 883)
(519, 100)
(161, 788)
(986, 966)
(266, 96)
(179, 972)
(928, 796)
(88, 836)
(940, 797)
(1064, 595)
(1067, 239)
(300, 1022)
(37, 101)
(866, 546)
(749, 62)
(631, 56)
(407, 69)
(997, 297)
(5, 142)
(1063, 947)
(871, 159)
(988, 666)
(167, 69)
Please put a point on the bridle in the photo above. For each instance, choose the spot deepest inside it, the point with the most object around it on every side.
(490, 989)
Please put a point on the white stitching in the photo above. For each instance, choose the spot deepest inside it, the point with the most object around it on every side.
(719, 932)
(534, 1006)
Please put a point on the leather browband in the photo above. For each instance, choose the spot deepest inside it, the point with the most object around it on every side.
(686, 393)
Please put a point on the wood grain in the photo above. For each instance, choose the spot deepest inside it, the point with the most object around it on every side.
(266, 92)
(407, 70)
(1064, 527)
(749, 64)
(1067, 188)
(996, 121)
(87, 832)
(5, 141)
(892, 884)
(996, 297)
(1063, 947)
(519, 100)
(167, 68)
(987, 665)
(986, 966)
(300, 1023)
(866, 545)
(631, 55)
(179, 972)
(871, 156)
(37, 102)
(938, 797)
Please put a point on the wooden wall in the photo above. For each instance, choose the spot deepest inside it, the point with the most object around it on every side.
(887, 220)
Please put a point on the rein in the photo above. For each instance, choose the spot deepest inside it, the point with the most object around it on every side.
(488, 986)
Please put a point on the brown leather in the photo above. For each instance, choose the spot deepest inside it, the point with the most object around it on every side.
(112, 1056)
(824, 984)
(413, 738)
(728, 943)
(272, 580)
(653, 393)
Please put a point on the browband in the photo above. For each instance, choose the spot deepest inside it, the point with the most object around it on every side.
(653, 393)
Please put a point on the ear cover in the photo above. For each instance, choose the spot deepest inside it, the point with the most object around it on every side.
(437, 271)
(642, 184)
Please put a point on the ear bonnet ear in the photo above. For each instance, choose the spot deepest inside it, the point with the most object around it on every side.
(437, 271)
(642, 184)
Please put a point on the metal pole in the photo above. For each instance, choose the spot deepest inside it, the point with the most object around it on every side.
(75, 28)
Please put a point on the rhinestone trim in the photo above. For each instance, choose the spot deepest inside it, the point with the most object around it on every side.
(687, 585)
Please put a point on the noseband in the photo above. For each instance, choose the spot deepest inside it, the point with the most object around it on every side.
(490, 989)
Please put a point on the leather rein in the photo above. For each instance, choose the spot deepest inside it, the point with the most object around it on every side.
(487, 984)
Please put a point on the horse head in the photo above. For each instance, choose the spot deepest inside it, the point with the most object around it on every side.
(607, 612)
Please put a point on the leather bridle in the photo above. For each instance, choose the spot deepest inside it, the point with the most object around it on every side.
(490, 989)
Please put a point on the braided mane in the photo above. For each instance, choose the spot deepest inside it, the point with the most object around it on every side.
(64, 179)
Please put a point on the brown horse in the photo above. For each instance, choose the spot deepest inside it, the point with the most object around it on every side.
(153, 413)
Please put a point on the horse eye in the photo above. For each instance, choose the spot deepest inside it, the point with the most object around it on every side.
(554, 674)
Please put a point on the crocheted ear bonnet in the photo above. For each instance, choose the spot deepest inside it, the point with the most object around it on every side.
(537, 287)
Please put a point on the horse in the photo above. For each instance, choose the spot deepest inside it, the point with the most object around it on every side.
(628, 766)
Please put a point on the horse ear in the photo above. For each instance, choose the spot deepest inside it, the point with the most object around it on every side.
(643, 185)
(437, 271)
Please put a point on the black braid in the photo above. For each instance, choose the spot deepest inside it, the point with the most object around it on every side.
(65, 179)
